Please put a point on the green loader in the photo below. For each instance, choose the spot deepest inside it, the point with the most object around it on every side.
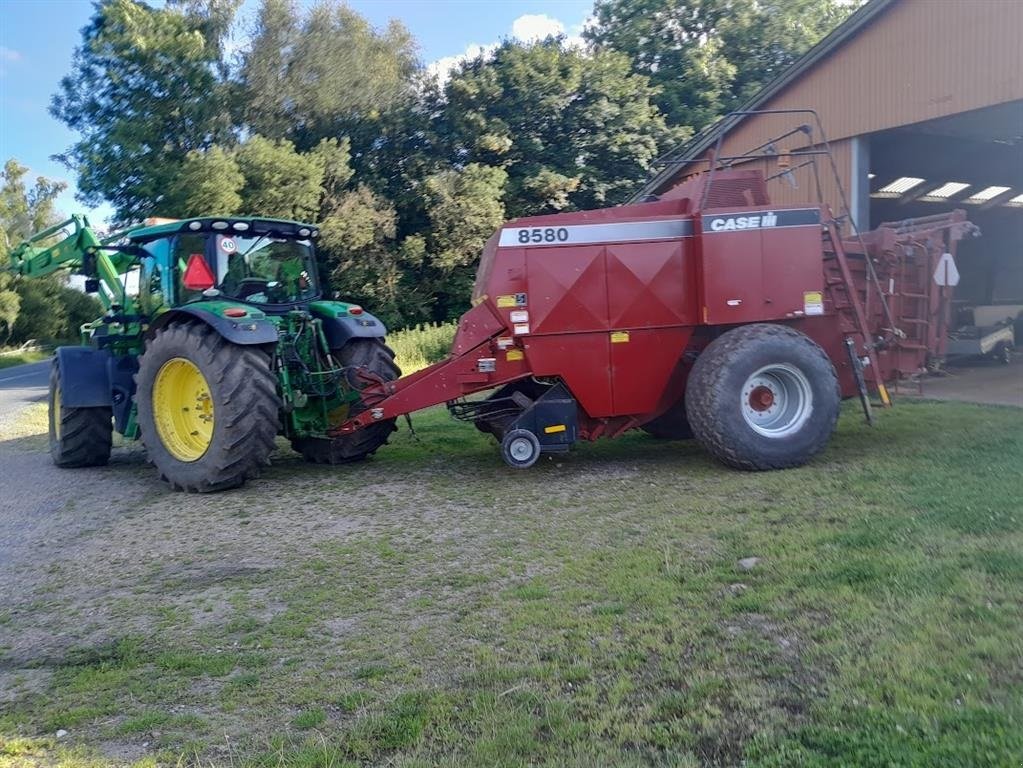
(216, 337)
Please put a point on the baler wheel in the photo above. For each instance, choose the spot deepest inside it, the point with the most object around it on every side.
(378, 358)
(670, 425)
(763, 397)
(79, 437)
(207, 408)
(520, 448)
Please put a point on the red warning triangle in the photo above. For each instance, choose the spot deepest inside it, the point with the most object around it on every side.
(198, 276)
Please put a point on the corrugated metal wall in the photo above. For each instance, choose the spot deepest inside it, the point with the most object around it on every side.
(919, 60)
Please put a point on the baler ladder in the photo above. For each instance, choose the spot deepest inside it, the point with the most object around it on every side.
(845, 297)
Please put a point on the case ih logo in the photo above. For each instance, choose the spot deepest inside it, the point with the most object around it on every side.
(768, 219)
(742, 220)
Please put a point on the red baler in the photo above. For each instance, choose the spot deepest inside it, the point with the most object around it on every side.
(707, 313)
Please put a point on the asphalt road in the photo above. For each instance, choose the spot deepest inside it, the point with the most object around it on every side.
(21, 385)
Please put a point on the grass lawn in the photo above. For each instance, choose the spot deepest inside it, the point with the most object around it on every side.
(9, 359)
(590, 611)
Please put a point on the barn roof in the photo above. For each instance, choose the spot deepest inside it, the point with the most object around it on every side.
(678, 158)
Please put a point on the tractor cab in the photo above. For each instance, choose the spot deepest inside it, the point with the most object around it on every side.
(264, 262)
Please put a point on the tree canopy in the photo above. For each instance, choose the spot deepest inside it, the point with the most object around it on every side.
(34, 309)
(322, 117)
(709, 56)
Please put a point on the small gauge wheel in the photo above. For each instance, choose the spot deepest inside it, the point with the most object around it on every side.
(520, 448)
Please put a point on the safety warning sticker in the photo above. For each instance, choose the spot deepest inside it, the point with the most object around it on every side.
(619, 337)
(513, 354)
(813, 303)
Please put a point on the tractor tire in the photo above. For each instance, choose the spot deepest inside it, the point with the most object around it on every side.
(79, 437)
(670, 425)
(207, 408)
(763, 397)
(376, 356)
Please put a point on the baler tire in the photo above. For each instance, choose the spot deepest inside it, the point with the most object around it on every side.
(245, 406)
(374, 355)
(673, 424)
(715, 397)
(79, 437)
(518, 437)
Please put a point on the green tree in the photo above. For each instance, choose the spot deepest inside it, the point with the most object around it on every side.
(326, 74)
(43, 316)
(464, 207)
(208, 183)
(143, 93)
(279, 181)
(707, 56)
(23, 212)
(51, 311)
(572, 130)
(365, 260)
(10, 305)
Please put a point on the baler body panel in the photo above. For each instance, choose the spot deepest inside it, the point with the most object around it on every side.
(760, 265)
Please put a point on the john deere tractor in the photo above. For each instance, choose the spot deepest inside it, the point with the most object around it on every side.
(216, 338)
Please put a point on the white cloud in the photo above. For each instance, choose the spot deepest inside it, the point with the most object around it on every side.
(442, 68)
(529, 28)
(536, 26)
(9, 54)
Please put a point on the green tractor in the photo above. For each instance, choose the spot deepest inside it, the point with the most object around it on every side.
(216, 338)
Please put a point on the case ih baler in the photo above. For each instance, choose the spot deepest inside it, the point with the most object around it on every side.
(707, 313)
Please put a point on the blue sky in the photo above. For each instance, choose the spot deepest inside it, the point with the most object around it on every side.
(37, 38)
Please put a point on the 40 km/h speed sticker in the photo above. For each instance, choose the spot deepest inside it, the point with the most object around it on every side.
(227, 245)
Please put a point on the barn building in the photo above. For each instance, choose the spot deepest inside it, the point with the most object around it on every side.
(922, 105)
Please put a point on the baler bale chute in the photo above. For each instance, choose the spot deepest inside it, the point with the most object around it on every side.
(707, 312)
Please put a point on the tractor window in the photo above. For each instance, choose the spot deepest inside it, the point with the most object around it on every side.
(184, 246)
(266, 270)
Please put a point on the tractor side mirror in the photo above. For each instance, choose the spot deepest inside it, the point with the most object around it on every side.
(92, 285)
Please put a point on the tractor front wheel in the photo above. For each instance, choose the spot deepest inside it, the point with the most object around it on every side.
(378, 358)
(763, 397)
(79, 437)
(207, 408)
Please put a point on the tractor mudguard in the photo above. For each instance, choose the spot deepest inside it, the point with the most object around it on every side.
(84, 376)
(91, 378)
(242, 330)
(340, 327)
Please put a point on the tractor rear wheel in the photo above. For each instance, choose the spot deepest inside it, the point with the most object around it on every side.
(670, 425)
(207, 408)
(763, 397)
(378, 358)
(79, 437)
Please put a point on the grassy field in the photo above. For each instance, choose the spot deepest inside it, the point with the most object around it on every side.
(13, 357)
(590, 611)
(418, 347)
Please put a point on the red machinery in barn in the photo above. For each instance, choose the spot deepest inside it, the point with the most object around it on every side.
(707, 312)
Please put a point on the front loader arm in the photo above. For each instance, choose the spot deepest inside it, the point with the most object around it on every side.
(81, 249)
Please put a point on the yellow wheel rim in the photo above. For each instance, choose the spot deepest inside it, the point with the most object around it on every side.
(183, 409)
(56, 411)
